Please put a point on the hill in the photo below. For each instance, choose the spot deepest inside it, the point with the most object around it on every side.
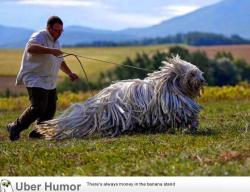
(77, 34)
(227, 17)
(13, 37)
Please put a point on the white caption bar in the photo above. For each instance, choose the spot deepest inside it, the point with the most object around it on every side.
(124, 184)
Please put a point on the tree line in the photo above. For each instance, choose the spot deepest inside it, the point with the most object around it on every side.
(224, 69)
(191, 38)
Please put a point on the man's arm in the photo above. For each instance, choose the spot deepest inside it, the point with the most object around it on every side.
(39, 49)
(67, 71)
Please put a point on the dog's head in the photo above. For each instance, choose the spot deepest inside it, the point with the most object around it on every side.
(185, 76)
(193, 81)
(178, 76)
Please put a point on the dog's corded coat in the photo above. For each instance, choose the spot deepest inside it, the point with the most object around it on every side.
(163, 100)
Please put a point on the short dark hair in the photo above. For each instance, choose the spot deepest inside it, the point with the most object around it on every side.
(54, 19)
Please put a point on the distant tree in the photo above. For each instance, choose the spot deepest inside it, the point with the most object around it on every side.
(157, 58)
(244, 69)
(79, 85)
(201, 60)
(224, 55)
(191, 38)
(226, 72)
(182, 52)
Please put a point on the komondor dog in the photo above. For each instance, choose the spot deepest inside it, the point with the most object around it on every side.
(162, 101)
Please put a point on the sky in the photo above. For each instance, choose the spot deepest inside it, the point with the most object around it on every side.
(100, 14)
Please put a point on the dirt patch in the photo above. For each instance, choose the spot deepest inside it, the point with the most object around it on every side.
(238, 51)
(8, 85)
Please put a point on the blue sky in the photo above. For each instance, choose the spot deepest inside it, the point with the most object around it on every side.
(101, 14)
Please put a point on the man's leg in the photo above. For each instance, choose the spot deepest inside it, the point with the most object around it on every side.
(39, 99)
(49, 112)
(51, 107)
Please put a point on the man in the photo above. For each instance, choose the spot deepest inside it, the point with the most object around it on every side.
(38, 73)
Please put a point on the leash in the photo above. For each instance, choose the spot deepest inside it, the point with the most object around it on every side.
(103, 61)
(85, 74)
(65, 54)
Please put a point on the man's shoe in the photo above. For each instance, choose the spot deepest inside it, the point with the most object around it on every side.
(35, 135)
(14, 131)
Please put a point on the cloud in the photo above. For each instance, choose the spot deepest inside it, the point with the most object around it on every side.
(179, 10)
(144, 19)
(82, 3)
(133, 20)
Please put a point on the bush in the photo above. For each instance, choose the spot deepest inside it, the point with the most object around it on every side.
(226, 72)
(78, 85)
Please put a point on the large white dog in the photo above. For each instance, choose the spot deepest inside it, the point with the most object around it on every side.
(162, 101)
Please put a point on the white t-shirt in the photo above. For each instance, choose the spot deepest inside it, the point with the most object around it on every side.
(40, 70)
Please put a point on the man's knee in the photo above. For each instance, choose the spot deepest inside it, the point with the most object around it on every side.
(31, 114)
(38, 109)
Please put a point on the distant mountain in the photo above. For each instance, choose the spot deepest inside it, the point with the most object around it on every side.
(14, 37)
(77, 34)
(227, 17)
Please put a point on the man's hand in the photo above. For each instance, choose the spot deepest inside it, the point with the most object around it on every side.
(66, 70)
(73, 76)
(56, 52)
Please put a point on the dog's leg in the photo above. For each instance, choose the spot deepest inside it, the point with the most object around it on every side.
(192, 126)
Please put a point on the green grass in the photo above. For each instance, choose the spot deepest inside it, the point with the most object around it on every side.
(221, 147)
(11, 58)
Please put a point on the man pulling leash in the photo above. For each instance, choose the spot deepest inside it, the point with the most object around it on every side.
(38, 73)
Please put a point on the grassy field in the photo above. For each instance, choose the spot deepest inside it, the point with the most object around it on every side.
(221, 147)
(10, 59)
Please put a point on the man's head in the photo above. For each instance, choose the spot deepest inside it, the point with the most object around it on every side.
(55, 27)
